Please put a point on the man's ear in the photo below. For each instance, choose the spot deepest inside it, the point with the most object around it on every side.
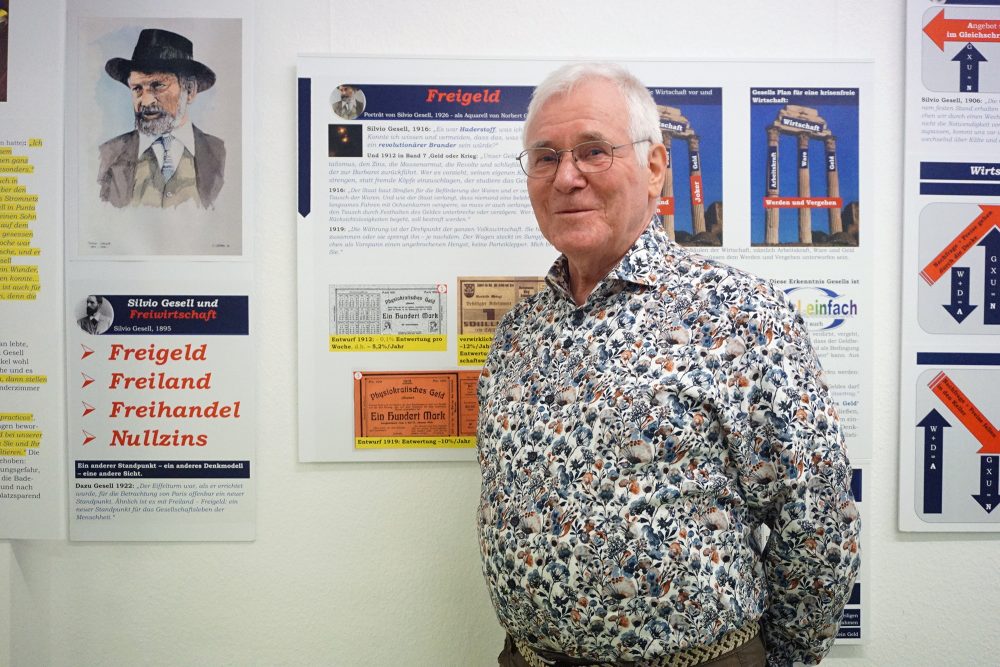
(657, 169)
(192, 91)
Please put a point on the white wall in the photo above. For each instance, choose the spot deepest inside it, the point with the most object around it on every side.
(378, 564)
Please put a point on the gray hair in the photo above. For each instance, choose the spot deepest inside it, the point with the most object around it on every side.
(187, 83)
(643, 118)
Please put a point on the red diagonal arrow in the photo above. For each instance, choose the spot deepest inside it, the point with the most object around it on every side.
(86, 351)
(961, 244)
(86, 379)
(87, 408)
(942, 30)
(970, 416)
(88, 437)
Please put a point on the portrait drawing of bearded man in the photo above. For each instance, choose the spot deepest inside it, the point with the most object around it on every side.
(165, 161)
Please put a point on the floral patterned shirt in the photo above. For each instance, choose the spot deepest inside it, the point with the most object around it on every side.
(632, 449)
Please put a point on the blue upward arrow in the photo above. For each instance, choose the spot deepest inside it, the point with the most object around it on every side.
(991, 283)
(968, 62)
(989, 472)
(960, 308)
(933, 425)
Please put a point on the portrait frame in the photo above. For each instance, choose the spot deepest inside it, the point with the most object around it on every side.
(101, 110)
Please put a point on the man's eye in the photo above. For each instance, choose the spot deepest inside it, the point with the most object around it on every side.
(543, 158)
(593, 151)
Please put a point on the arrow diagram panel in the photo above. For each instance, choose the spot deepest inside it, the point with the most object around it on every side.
(957, 446)
(960, 50)
(959, 287)
(950, 307)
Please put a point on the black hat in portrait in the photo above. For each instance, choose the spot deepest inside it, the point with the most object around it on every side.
(161, 51)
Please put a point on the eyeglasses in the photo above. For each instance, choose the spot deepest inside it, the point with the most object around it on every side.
(590, 157)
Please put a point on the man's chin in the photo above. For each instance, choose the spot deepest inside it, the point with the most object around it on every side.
(580, 240)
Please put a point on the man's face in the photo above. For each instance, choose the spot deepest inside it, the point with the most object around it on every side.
(346, 93)
(592, 218)
(91, 305)
(159, 101)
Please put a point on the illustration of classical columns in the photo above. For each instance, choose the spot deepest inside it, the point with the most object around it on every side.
(668, 188)
(833, 185)
(805, 213)
(771, 215)
(806, 125)
(673, 125)
(697, 188)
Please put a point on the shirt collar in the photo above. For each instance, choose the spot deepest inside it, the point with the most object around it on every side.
(183, 134)
(643, 264)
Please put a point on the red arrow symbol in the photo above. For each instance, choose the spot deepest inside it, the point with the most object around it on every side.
(961, 244)
(88, 437)
(87, 408)
(942, 30)
(86, 351)
(86, 379)
(970, 416)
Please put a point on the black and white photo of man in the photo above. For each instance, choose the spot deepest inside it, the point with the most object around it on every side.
(98, 317)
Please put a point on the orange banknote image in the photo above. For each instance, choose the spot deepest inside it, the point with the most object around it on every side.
(415, 404)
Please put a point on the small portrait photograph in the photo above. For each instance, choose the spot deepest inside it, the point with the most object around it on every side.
(345, 141)
(160, 110)
(95, 315)
(348, 101)
(4, 29)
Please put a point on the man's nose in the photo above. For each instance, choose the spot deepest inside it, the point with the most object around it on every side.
(147, 97)
(568, 176)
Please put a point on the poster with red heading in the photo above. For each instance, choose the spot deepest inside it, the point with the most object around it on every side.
(416, 235)
(159, 298)
(161, 415)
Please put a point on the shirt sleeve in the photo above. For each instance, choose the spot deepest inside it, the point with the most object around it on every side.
(784, 435)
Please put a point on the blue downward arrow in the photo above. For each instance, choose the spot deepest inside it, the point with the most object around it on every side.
(933, 425)
(960, 308)
(968, 62)
(989, 471)
(991, 283)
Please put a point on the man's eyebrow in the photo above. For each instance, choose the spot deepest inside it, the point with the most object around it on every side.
(591, 135)
(152, 78)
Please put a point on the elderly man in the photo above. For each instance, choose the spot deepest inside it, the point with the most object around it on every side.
(351, 102)
(664, 476)
(165, 160)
